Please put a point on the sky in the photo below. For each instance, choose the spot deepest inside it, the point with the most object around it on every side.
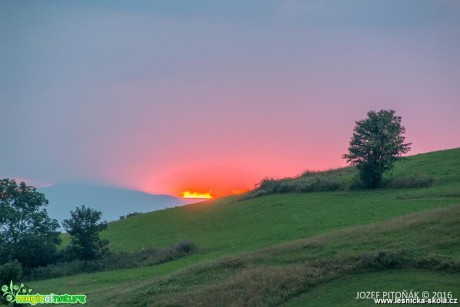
(212, 96)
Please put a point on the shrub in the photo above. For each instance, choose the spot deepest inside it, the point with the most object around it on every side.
(414, 181)
(184, 246)
(330, 180)
(114, 261)
(388, 259)
(384, 259)
(129, 215)
(318, 184)
(10, 271)
(309, 181)
(133, 214)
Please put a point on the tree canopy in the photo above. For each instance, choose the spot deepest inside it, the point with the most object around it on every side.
(84, 227)
(377, 142)
(27, 233)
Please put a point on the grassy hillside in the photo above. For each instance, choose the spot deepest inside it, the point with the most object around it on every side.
(411, 248)
(390, 280)
(227, 225)
(290, 271)
(330, 220)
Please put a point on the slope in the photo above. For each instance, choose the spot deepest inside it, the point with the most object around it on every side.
(410, 248)
(227, 226)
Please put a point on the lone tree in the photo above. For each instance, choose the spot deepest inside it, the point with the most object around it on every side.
(84, 227)
(377, 142)
(27, 233)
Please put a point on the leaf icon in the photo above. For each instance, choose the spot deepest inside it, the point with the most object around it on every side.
(30, 290)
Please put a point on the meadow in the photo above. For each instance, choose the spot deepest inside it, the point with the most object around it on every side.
(292, 248)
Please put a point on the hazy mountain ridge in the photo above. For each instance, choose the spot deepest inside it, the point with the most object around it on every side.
(113, 202)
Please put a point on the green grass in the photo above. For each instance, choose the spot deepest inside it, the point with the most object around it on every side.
(291, 272)
(343, 291)
(276, 218)
(220, 229)
(443, 166)
(329, 220)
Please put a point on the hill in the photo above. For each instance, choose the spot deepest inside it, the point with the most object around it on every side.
(113, 202)
(240, 252)
(406, 248)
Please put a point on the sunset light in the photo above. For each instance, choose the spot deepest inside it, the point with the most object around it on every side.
(188, 194)
(239, 191)
(230, 152)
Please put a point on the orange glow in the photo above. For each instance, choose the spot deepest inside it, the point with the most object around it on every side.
(239, 191)
(188, 194)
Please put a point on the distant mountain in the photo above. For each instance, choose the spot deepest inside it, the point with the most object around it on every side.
(113, 202)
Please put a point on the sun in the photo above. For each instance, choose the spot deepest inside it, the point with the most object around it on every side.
(188, 194)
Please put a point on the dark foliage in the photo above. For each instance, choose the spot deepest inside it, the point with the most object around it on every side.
(10, 271)
(27, 233)
(84, 227)
(414, 181)
(115, 261)
(390, 259)
(377, 142)
(309, 181)
(130, 215)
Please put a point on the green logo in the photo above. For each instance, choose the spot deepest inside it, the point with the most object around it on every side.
(22, 295)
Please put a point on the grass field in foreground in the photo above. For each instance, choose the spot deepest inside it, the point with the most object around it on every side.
(343, 291)
(227, 227)
(415, 245)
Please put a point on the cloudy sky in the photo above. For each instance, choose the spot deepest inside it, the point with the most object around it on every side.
(166, 96)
